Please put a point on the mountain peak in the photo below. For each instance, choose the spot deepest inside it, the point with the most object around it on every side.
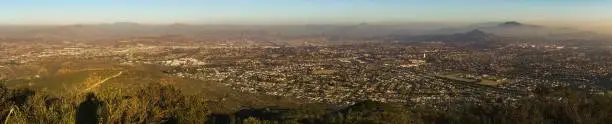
(474, 35)
(510, 24)
(476, 32)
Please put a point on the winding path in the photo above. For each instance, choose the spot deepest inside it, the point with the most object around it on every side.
(106, 79)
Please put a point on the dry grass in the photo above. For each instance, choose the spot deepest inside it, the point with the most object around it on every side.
(156, 103)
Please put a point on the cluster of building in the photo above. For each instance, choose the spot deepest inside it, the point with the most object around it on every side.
(350, 73)
(407, 74)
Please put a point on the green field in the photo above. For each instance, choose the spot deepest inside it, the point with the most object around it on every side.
(456, 77)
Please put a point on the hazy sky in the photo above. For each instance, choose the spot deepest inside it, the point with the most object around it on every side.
(299, 11)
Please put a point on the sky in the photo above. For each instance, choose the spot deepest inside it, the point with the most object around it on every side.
(300, 11)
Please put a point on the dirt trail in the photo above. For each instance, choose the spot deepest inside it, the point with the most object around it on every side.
(106, 79)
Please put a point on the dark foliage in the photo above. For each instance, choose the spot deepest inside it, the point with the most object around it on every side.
(165, 104)
(552, 106)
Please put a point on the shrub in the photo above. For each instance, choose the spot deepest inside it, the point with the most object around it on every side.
(156, 103)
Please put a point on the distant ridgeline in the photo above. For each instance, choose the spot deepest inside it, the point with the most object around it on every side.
(268, 33)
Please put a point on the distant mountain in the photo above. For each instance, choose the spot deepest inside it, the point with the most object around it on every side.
(517, 29)
(507, 24)
(510, 24)
(126, 24)
(340, 32)
(475, 35)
